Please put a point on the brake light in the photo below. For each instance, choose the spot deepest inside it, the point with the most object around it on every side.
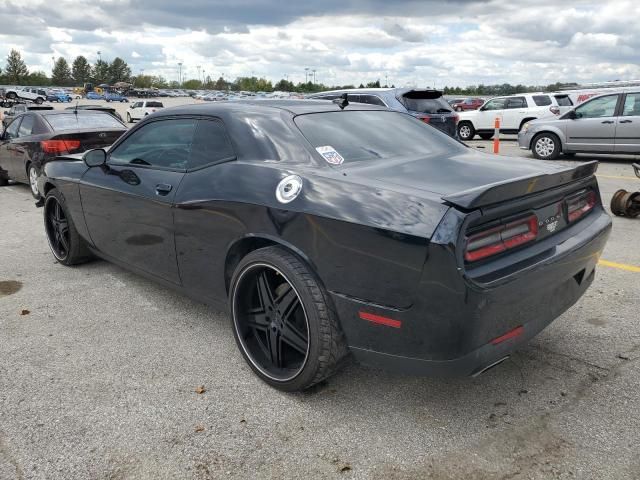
(456, 118)
(580, 205)
(424, 119)
(59, 146)
(554, 110)
(499, 239)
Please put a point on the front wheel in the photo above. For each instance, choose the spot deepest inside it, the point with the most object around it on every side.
(466, 131)
(546, 146)
(128, 118)
(33, 181)
(65, 243)
(39, 101)
(283, 320)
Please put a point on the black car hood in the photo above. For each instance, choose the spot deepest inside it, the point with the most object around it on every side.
(470, 179)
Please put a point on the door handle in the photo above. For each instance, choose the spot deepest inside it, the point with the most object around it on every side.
(163, 189)
(608, 121)
(626, 121)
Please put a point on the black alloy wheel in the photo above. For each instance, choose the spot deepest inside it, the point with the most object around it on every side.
(282, 322)
(57, 228)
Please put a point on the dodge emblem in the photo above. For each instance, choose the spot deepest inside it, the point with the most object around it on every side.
(551, 227)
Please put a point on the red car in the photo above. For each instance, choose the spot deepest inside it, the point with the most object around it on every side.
(468, 104)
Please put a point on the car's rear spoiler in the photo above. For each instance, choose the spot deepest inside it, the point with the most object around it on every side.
(519, 187)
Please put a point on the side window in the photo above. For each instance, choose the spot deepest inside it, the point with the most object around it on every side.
(495, 104)
(12, 129)
(564, 101)
(162, 144)
(371, 100)
(516, 102)
(542, 100)
(26, 126)
(211, 144)
(137, 105)
(631, 105)
(598, 107)
(353, 97)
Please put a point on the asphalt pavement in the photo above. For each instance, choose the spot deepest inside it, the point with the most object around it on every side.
(105, 375)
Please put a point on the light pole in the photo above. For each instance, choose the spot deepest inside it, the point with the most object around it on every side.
(199, 78)
(306, 74)
(386, 80)
(314, 76)
(99, 56)
(180, 74)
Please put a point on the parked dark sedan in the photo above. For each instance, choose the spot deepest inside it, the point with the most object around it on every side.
(328, 230)
(38, 136)
(20, 108)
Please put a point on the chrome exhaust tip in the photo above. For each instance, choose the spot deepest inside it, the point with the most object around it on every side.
(489, 367)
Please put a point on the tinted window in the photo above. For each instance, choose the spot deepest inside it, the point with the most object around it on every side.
(564, 100)
(372, 135)
(598, 107)
(73, 121)
(26, 126)
(154, 104)
(632, 105)
(426, 105)
(371, 100)
(12, 129)
(495, 104)
(211, 144)
(137, 105)
(542, 100)
(516, 102)
(165, 144)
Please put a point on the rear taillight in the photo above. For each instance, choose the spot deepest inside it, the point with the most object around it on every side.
(579, 205)
(59, 146)
(456, 118)
(502, 238)
(424, 119)
(554, 110)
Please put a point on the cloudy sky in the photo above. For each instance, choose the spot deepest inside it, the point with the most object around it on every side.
(413, 42)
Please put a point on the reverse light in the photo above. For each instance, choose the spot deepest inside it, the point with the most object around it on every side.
(502, 238)
(59, 146)
(579, 205)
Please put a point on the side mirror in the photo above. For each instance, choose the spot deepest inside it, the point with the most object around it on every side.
(95, 158)
(572, 115)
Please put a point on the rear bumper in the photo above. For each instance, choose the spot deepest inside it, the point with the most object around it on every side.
(449, 330)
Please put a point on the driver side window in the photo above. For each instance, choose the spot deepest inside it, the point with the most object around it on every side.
(598, 107)
(163, 144)
(12, 129)
(495, 104)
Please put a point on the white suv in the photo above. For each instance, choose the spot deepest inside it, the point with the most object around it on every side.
(36, 95)
(513, 111)
(139, 110)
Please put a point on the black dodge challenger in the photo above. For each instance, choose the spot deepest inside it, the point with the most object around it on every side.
(328, 229)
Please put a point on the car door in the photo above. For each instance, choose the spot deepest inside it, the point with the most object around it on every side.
(20, 148)
(135, 110)
(8, 149)
(594, 127)
(628, 125)
(128, 202)
(485, 117)
(515, 110)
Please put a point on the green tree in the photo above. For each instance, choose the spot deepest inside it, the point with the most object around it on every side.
(220, 84)
(16, 70)
(284, 86)
(100, 72)
(61, 73)
(192, 84)
(375, 84)
(119, 71)
(38, 78)
(81, 70)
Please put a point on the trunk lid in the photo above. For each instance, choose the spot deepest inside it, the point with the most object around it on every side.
(90, 139)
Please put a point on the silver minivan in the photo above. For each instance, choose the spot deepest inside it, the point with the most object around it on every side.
(608, 123)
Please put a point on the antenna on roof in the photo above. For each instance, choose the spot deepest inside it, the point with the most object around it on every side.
(341, 101)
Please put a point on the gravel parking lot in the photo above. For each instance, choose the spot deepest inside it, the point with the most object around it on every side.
(105, 375)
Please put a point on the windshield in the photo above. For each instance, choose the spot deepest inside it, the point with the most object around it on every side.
(357, 136)
(73, 121)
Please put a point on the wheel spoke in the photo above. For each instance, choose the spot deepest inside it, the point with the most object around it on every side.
(64, 242)
(294, 338)
(264, 291)
(287, 303)
(274, 349)
(258, 321)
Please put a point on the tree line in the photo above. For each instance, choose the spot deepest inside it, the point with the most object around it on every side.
(80, 71)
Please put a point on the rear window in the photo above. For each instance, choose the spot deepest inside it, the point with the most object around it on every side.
(155, 105)
(425, 102)
(359, 136)
(71, 121)
(564, 101)
(542, 100)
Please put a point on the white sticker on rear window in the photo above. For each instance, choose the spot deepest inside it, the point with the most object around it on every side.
(330, 155)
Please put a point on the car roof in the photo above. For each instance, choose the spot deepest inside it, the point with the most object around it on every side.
(295, 107)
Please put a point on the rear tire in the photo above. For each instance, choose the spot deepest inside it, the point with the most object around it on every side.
(67, 246)
(12, 95)
(283, 320)
(466, 131)
(39, 101)
(486, 136)
(32, 176)
(546, 146)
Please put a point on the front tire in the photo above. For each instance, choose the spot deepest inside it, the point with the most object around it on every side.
(66, 244)
(39, 101)
(283, 320)
(128, 118)
(546, 146)
(466, 131)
